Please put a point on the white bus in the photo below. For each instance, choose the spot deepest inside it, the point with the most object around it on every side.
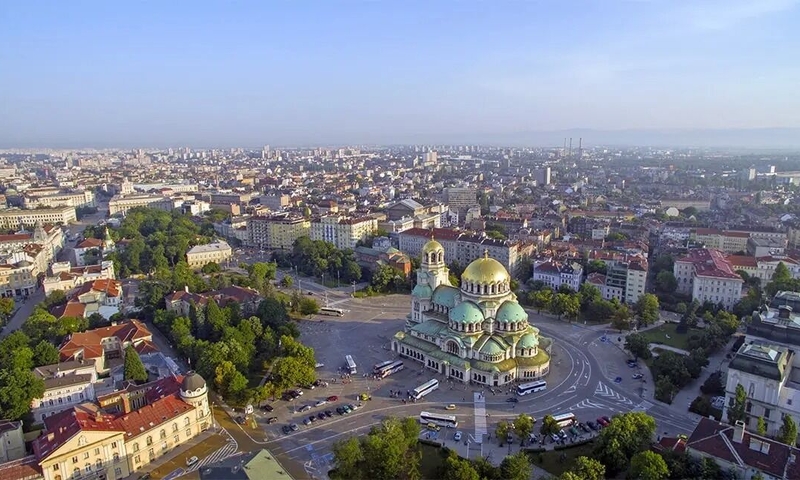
(351, 365)
(531, 387)
(381, 365)
(335, 312)
(448, 421)
(424, 389)
(565, 419)
(387, 370)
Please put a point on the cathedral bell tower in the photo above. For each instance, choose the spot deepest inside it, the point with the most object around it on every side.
(432, 273)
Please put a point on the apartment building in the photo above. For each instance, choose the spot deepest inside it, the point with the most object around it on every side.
(412, 240)
(66, 385)
(14, 218)
(120, 204)
(125, 431)
(275, 201)
(735, 241)
(460, 198)
(217, 252)
(63, 276)
(764, 267)
(277, 232)
(708, 276)
(554, 274)
(343, 232)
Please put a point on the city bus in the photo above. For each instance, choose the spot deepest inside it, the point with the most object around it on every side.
(531, 387)
(424, 389)
(334, 312)
(351, 365)
(381, 365)
(448, 421)
(565, 419)
(387, 370)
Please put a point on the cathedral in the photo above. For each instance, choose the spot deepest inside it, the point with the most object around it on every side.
(478, 332)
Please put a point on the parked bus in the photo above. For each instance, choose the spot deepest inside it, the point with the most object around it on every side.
(387, 370)
(448, 421)
(565, 419)
(424, 389)
(382, 364)
(334, 312)
(531, 387)
(351, 365)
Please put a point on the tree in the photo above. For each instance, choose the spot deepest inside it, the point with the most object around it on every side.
(666, 282)
(501, 431)
(598, 266)
(516, 467)
(308, 306)
(41, 326)
(648, 465)
(665, 389)
(761, 426)
(6, 309)
(589, 294)
(54, 298)
(673, 366)
(45, 353)
(585, 468)
(638, 345)
(647, 309)
(629, 433)
(18, 388)
(348, 457)
(621, 317)
(736, 412)
(713, 384)
(133, 368)
(215, 319)
(211, 267)
(287, 281)
(523, 426)
(542, 299)
(390, 450)
(788, 431)
(549, 425)
(459, 469)
(565, 304)
(781, 274)
(229, 381)
(290, 371)
(697, 359)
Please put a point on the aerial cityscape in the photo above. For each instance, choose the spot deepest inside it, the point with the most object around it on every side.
(376, 240)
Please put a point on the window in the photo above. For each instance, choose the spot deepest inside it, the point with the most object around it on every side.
(75, 459)
(137, 459)
(113, 444)
(135, 447)
(87, 468)
(55, 467)
(175, 427)
(186, 421)
(149, 440)
(77, 472)
(118, 472)
(116, 457)
(188, 433)
(99, 464)
(176, 439)
(81, 440)
(97, 451)
(85, 455)
(163, 433)
(767, 413)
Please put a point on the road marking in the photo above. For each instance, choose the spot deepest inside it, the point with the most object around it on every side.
(586, 404)
(642, 407)
(604, 390)
(480, 415)
(568, 391)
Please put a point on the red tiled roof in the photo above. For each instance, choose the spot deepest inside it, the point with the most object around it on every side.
(707, 231)
(742, 261)
(546, 267)
(69, 309)
(709, 262)
(596, 278)
(90, 341)
(707, 437)
(90, 243)
(438, 233)
(22, 469)
(16, 237)
(112, 288)
(145, 346)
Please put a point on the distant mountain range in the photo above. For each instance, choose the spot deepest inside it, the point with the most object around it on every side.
(756, 138)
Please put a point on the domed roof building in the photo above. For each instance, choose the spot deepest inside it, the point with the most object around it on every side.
(476, 332)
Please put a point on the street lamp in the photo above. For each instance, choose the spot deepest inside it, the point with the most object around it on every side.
(354, 288)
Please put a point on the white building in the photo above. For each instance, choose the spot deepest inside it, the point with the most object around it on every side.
(217, 252)
(343, 232)
(65, 385)
(554, 274)
(709, 277)
(14, 218)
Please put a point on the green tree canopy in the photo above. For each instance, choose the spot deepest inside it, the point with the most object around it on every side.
(647, 309)
(788, 431)
(638, 345)
(737, 411)
(666, 281)
(627, 434)
(133, 368)
(45, 353)
(648, 465)
(18, 388)
(457, 468)
(549, 425)
(516, 467)
(585, 468)
(523, 426)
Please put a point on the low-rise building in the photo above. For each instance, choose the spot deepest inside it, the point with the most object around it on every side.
(217, 252)
(105, 346)
(63, 276)
(95, 296)
(66, 385)
(709, 277)
(554, 274)
(68, 199)
(15, 218)
(120, 204)
(181, 301)
(12, 443)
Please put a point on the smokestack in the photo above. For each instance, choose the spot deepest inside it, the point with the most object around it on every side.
(580, 147)
(570, 147)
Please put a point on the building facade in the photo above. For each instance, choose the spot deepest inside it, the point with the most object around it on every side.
(476, 333)
(14, 218)
(217, 252)
(709, 277)
(343, 232)
(554, 274)
(276, 232)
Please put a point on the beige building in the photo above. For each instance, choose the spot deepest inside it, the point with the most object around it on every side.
(709, 277)
(276, 232)
(343, 232)
(66, 277)
(124, 431)
(121, 204)
(14, 218)
(199, 255)
(12, 443)
(70, 199)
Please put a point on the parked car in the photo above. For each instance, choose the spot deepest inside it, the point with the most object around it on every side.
(450, 407)
(304, 408)
(608, 420)
(308, 387)
(312, 418)
(352, 407)
(602, 421)
(583, 427)
(592, 425)
(294, 427)
(637, 376)
(306, 422)
(320, 403)
(574, 431)
(191, 461)
(328, 413)
(340, 410)
(562, 434)
(321, 416)
(433, 427)
(457, 436)
(554, 437)
(512, 400)
(333, 398)
(267, 408)
(286, 429)
(272, 420)
(240, 420)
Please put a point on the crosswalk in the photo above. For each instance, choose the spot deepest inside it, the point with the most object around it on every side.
(480, 415)
(605, 391)
(221, 454)
(642, 407)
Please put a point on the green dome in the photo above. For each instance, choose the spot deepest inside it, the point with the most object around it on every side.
(422, 291)
(445, 296)
(491, 347)
(511, 312)
(528, 340)
(467, 312)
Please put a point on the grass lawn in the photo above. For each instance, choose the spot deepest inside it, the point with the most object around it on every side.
(659, 334)
(552, 461)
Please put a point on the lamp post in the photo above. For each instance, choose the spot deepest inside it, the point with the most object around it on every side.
(354, 288)
(337, 279)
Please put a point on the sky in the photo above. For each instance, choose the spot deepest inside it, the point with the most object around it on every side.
(249, 73)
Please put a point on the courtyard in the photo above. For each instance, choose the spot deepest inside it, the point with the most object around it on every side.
(667, 334)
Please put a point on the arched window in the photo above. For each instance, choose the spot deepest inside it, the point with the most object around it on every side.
(149, 440)
(163, 433)
(135, 447)
(82, 440)
(175, 427)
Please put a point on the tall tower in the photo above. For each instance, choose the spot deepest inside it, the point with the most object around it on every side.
(432, 273)
(108, 242)
(194, 392)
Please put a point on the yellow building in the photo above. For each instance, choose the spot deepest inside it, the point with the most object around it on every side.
(14, 218)
(277, 232)
(124, 431)
(217, 252)
(343, 232)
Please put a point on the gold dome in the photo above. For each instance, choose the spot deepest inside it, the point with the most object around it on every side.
(485, 271)
(432, 246)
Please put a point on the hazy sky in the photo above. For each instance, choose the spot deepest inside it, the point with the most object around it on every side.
(78, 73)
